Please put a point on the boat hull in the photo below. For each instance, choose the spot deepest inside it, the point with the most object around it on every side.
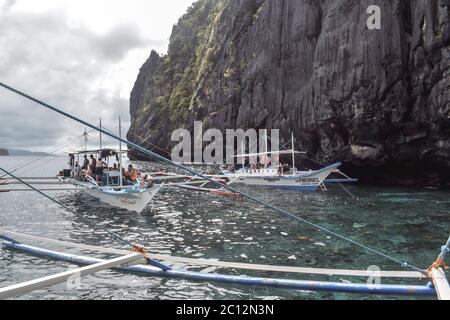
(307, 181)
(131, 200)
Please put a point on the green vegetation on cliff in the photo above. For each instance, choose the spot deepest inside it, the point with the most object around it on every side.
(375, 99)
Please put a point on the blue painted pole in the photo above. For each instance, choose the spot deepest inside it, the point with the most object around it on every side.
(352, 288)
(445, 250)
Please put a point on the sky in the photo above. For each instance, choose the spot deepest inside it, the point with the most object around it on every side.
(82, 56)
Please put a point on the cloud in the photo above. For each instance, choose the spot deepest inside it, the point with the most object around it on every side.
(6, 5)
(115, 44)
(45, 56)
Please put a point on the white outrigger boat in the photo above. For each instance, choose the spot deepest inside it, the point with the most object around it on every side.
(434, 281)
(276, 177)
(134, 197)
(111, 190)
(271, 177)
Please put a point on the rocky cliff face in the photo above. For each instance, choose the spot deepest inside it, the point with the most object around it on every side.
(378, 100)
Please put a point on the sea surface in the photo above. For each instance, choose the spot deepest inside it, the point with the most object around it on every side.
(407, 224)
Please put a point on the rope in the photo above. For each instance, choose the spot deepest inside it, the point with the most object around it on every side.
(48, 153)
(88, 222)
(348, 191)
(136, 248)
(440, 261)
(340, 184)
(192, 171)
(143, 140)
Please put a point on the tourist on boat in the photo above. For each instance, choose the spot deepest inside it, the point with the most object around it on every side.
(99, 165)
(148, 181)
(71, 161)
(85, 163)
(130, 175)
(77, 170)
(92, 163)
(89, 172)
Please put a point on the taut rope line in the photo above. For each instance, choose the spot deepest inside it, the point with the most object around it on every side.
(135, 247)
(245, 195)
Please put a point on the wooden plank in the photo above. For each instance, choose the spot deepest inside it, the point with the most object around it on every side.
(271, 282)
(42, 190)
(33, 178)
(29, 286)
(441, 284)
(49, 183)
(286, 269)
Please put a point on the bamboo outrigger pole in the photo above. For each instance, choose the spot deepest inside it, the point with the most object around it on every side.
(101, 142)
(41, 283)
(294, 168)
(120, 154)
(437, 274)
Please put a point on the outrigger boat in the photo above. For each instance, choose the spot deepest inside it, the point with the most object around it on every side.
(431, 282)
(111, 190)
(435, 283)
(274, 176)
(271, 177)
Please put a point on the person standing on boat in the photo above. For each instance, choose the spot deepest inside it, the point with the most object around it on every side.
(89, 172)
(72, 162)
(92, 163)
(85, 163)
(77, 171)
(99, 165)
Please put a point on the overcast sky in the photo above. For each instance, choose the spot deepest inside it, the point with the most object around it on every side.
(80, 55)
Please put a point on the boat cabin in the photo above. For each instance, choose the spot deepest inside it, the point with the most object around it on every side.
(81, 165)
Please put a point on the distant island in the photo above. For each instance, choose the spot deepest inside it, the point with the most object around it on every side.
(21, 153)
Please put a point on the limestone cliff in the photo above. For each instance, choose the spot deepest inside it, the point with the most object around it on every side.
(378, 100)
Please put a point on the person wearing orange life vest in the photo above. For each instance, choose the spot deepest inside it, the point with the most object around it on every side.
(131, 175)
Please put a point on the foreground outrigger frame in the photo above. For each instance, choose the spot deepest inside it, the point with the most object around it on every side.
(406, 290)
(427, 290)
(435, 272)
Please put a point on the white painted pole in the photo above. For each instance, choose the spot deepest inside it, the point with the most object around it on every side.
(85, 139)
(101, 142)
(38, 284)
(120, 154)
(440, 284)
(294, 169)
(243, 153)
(438, 276)
(267, 148)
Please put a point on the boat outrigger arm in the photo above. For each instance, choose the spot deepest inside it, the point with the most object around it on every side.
(315, 286)
(295, 284)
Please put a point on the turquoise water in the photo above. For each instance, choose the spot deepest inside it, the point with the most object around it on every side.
(411, 225)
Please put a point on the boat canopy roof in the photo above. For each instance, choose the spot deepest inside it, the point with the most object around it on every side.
(269, 153)
(107, 152)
